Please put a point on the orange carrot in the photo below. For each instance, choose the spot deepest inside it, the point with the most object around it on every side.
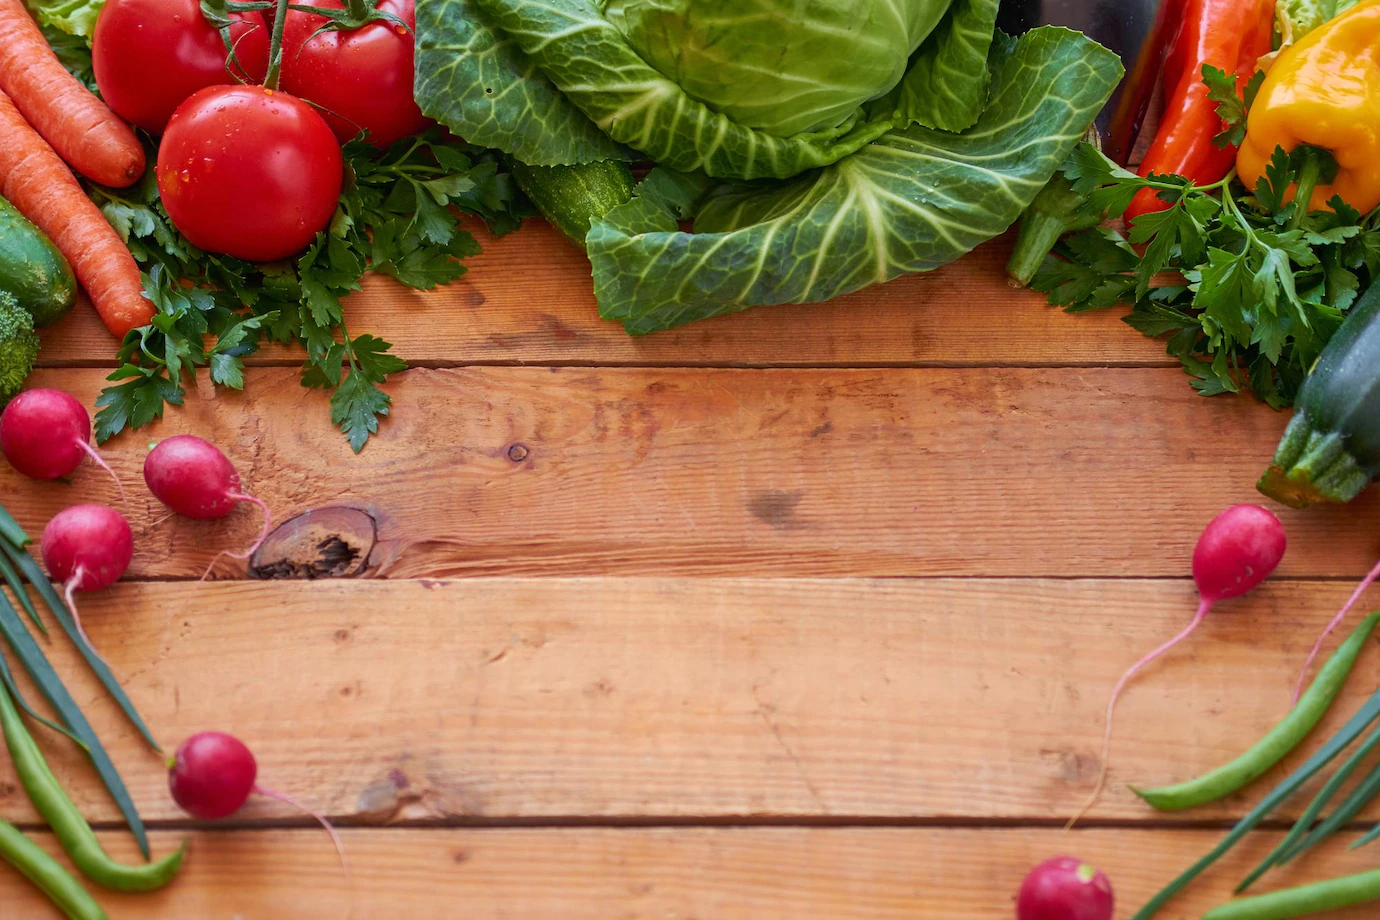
(74, 122)
(43, 189)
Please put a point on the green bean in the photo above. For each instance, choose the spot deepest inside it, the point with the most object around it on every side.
(66, 820)
(45, 872)
(1339, 742)
(1304, 900)
(1315, 807)
(1277, 743)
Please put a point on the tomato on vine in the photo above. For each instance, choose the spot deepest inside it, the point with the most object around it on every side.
(360, 70)
(150, 55)
(249, 172)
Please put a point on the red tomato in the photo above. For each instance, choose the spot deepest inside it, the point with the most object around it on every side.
(363, 77)
(150, 55)
(249, 172)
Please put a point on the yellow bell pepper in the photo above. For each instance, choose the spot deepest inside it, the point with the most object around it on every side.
(1324, 91)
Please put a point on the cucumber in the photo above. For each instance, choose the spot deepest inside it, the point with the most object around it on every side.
(1331, 449)
(573, 197)
(32, 269)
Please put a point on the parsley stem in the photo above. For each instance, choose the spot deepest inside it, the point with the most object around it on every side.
(1222, 183)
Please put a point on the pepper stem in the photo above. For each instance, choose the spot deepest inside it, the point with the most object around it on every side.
(275, 47)
(1303, 191)
(1314, 165)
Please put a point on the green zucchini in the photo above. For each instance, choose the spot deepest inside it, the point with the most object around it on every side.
(573, 197)
(32, 269)
(1331, 449)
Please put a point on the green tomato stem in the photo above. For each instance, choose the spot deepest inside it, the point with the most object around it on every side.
(275, 47)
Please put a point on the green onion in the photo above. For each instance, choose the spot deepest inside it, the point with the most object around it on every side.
(39, 668)
(1296, 780)
(35, 576)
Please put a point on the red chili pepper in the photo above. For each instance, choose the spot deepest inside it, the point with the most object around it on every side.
(1228, 34)
(1139, 87)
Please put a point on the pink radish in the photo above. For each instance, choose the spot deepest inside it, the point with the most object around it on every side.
(1065, 888)
(45, 434)
(193, 478)
(1236, 552)
(213, 774)
(87, 548)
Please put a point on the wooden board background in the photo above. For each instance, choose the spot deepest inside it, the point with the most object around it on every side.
(807, 612)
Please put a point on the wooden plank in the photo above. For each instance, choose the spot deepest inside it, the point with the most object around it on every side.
(498, 699)
(679, 471)
(721, 873)
(528, 300)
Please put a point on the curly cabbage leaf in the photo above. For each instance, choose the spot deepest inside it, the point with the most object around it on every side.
(478, 83)
(947, 86)
(587, 56)
(781, 66)
(915, 199)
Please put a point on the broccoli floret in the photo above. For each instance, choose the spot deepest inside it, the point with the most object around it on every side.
(18, 346)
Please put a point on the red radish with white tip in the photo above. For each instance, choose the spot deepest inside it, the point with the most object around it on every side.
(45, 434)
(1065, 888)
(1237, 551)
(213, 774)
(86, 548)
(195, 479)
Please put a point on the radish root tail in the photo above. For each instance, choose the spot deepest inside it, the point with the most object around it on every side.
(69, 593)
(1336, 621)
(320, 818)
(97, 459)
(1203, 607)
(263, 533)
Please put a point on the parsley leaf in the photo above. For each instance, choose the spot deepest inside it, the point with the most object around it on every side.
(1231, 106)
(397, 215)
(1245, 292)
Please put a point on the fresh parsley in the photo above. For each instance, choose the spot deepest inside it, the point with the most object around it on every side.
(397, 215)
(1247, 291)
(1231, 105)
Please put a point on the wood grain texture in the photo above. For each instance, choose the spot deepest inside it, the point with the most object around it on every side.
(492, 700)
(655, 874)
(1059, 472)
(528, 300)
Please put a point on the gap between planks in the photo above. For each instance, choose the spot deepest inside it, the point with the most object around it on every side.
(730, 472)
(514, 701)
(637, 874)
(672, 822)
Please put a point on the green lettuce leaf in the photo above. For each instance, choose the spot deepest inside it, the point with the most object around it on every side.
(946, 87)
(915, 199)
(75, 17)
(479, 84)
(1296, 18)
(589, 60)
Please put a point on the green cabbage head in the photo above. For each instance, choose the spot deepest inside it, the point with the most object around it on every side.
(781, 66)
(737, 89)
